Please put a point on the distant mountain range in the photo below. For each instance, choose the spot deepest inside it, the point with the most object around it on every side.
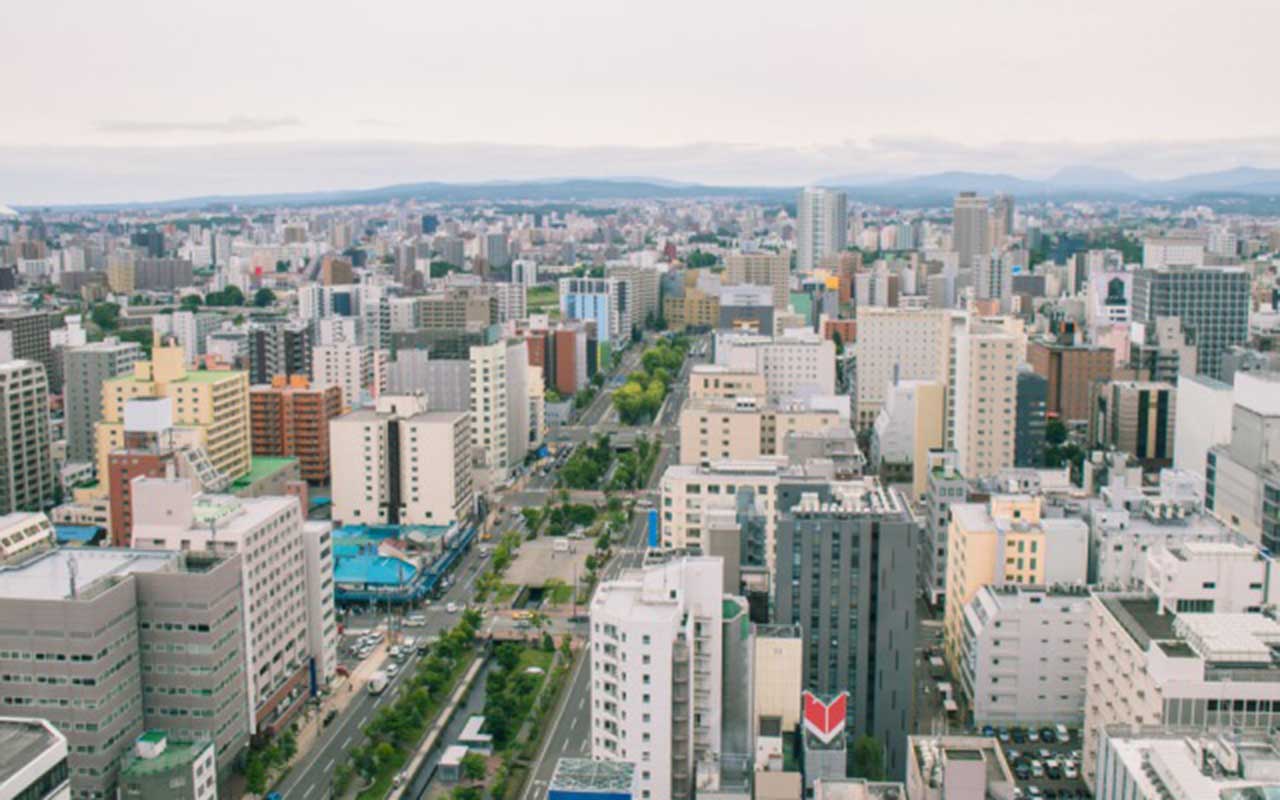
(1230, 187)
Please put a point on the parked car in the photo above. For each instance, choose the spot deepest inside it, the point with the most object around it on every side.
(1064, 735)
(330, 716)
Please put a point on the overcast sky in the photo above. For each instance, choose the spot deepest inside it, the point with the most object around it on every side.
(691, 90)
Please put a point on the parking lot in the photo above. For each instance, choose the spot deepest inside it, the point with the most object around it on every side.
(1046, 764)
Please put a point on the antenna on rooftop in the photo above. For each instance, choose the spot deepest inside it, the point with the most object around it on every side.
(72, 571)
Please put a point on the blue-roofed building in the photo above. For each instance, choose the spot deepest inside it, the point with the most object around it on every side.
(394, 563)
(79, 535)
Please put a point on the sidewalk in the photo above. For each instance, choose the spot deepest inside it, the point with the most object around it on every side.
(339, 696)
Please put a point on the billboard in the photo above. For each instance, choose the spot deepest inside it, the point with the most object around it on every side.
(824, 719)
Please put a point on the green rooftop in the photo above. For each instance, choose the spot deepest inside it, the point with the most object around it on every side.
(260, 468)
(176, 756)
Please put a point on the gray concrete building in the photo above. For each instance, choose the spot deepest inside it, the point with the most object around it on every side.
(846, 573)
(946, 488)
(279, 349)
(30, 330)
(86, 367)
(27, 476)
(1031, 404)
(1212, 302)
(107, 643)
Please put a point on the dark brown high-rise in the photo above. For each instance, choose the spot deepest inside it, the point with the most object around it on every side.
(1071, 371)
(289, 418)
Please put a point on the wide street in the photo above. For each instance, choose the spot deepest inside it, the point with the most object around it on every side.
(569, 734)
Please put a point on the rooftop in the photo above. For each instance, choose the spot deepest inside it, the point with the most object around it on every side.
(21, 742)
(261, 467)
(49, 575)
(584, 774)
(176, 755)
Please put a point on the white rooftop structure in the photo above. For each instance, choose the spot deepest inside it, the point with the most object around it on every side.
(1234, 638)
(51, 575)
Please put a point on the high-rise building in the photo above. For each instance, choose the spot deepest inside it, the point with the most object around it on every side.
(335, 271)
(27, 475)
(1002, 207)
(1164, 252)
(145, 639)
(344, 365)
(1071, 371)
(846, 575)
(798, 364)
(213, 406)
(290, 418)
(190, 329)
(823, 226)
(970, 231)
(762, 269)
(1242, 482)
(279, 349)
(269, 536)
(1138, 418)
(499, 407)
(1030, 418)
(742, 429)
(657, 672)
(1212, 302)
(496, 250)
(984, 394)
(644, 282)
(401, 464)
(902, 345)
(31, 338)
(85, 368)
(605, 301)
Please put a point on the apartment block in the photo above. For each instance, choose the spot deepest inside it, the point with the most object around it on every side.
(1023, 654)
(289, 418)
(343, 365)
(911, 424)
(279, 349)
(402, 464)
(499, 406)
(772, 270)
(1007, 541)
(983, 397)
(898, 345)
(796, 364)
(85, 368)
(107, 643)
(644, 285)
(711, 381)
(31, 340)
(213, 405)
(743, 429)
(1212, 303)
(27, 476)
(267, 533)
(657, 672)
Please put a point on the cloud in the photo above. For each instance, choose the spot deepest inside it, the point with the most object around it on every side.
(235, 124)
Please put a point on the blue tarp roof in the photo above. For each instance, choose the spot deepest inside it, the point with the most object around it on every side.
(373, 570)
(76, 533)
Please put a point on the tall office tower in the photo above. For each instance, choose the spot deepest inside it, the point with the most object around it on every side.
(273, 543)
(1070, 371)
(401, 464)
(898, 344)
(30, 331)
(290, 418)
(144, 640)
(85, 368)
(987, 354)
(499, 405)
(27, 476)
(605, 301)
(1001, 218)
(1242, 477)
(342, 365)
(213, 405)
(1030, 418)
(970, 235)
(524, 271)
(823, 227)
(451, 250)
(993, 278)
(762, 269)
(1138, 418)
(846, 574)
(1212, 302)
(279, 349)
(657, 673)
(497, 250)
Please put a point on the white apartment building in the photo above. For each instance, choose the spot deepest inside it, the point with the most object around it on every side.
(910, 425)
(500, 405)
(1211, 578)
(1208, 402)
(657, 672)
(322, 627)
(1214, 671)
(1023, 657)
(399, 464)
(822, 226)
(342, 364)
(899, 344)
(987, 355)
(797, 364)
(688, 489)
(743, 429)
(268, 533)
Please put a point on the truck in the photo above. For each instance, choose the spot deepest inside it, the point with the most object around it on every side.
(377, 682)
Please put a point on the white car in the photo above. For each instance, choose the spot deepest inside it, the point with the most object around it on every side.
(452, 608)
(392, 669)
